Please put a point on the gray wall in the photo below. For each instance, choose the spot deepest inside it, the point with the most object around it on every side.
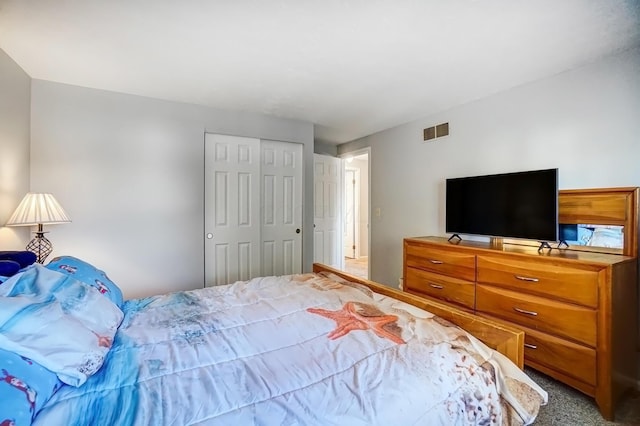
(15, 93)
(325, 149)
(129, 171)
(586, 122)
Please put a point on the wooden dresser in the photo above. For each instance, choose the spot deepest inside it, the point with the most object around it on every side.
(578, 309)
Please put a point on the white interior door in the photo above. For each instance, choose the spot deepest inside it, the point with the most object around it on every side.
(253, 208)
(327, 209)
(281, 224)
(232, 215)
(350, 213)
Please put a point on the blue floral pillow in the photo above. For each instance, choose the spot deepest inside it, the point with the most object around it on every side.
(88, 274)
(60, 322)
(25, 386)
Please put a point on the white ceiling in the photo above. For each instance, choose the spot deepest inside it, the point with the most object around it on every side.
(352, 67)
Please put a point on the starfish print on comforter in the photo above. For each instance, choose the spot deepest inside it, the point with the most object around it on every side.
(363, 317)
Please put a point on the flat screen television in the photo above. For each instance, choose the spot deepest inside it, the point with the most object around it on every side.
(511, 205)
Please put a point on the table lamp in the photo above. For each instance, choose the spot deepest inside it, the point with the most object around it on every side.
(38, 209)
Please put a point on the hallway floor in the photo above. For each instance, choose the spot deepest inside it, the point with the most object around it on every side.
(358, 267)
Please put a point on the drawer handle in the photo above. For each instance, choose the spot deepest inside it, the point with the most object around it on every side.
(530, 346)
(435, 262)
(439, 287)
(522, 311)
(529, 279)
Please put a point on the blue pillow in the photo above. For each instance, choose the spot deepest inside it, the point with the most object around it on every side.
(8, 268)
(88, 274)
(25, 386)
(24, 258)
(58, 321)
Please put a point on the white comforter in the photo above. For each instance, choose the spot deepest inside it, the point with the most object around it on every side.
(293, 350)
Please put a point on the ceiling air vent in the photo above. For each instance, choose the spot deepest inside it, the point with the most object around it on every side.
(436, 131)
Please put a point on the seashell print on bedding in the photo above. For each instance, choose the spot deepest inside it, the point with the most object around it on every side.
(325, 281)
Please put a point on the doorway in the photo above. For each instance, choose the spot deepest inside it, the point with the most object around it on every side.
(351, 187)
(356, 213)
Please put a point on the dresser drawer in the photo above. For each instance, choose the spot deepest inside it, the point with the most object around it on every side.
(569, 358)
(452, 290)
(561, 319)
(454, 264)
(561, 282)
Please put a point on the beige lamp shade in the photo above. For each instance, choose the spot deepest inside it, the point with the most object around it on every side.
(38, 209)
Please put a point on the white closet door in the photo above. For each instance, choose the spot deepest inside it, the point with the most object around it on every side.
(281, 221)
(253, 208)
(232, 209)
(327, 211)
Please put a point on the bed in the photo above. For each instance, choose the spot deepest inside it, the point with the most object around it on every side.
(315, 348)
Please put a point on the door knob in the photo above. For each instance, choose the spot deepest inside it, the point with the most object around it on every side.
(209, 236)
(297, 230)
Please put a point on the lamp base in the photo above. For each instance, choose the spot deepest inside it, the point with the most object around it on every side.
(41, 246)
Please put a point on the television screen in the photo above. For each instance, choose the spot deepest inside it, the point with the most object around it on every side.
(511, 205)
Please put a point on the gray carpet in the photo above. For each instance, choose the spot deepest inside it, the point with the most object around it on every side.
(568, 406)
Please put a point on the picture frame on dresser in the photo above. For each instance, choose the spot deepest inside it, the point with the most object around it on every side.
(577, 305)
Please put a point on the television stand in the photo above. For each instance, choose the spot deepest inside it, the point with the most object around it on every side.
(544, 245)
(563, 243)
(457, 238)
